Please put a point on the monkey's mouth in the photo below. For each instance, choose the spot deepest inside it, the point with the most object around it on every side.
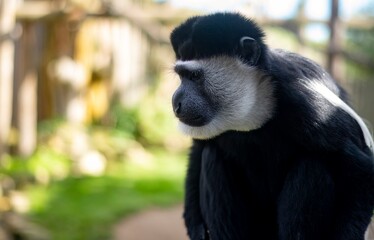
(194, 120)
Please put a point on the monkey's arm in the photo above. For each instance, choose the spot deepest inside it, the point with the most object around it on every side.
(314, 202)
(306, 202)
(192, 212)
(355, 208)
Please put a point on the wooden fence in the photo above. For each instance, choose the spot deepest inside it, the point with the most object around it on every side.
(59, 70)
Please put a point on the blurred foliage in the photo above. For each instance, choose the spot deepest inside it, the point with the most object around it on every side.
(360, 41)
(145, 161)
(126, 120)
(86, 207)
(154, 132)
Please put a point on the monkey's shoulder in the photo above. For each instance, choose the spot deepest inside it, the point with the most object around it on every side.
(289, 65)
(293, 75)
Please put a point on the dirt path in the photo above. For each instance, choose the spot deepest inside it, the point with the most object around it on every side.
(156, 224)
(165, 224)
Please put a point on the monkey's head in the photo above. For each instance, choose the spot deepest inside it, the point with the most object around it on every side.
(219, 62)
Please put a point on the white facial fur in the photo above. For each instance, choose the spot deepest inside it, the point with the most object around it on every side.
(244, 93)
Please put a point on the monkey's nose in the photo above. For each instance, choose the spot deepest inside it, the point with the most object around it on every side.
(177, 109)
(177, 102)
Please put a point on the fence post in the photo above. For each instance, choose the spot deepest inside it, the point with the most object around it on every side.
(334, 59)
(7, 23)
(26, 91)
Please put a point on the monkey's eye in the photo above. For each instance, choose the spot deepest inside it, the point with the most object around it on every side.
(193, 75)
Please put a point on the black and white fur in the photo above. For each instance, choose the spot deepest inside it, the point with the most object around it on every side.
(247, 104)
(277, 152)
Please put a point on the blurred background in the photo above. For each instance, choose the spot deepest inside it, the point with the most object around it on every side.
(89, 148)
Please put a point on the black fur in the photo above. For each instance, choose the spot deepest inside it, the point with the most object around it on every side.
(298, 176)
(212, 35)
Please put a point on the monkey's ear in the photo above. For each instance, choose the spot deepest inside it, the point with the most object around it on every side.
(250, 49)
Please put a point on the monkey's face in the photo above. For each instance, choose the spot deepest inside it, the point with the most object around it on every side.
(219, 94)
(221, 87)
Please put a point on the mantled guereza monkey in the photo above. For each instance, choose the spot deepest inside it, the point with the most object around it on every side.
(277, 152)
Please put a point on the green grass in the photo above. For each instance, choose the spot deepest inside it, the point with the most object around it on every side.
(85, 208)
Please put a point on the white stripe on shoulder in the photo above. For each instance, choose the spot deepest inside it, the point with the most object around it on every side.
(336, 101)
